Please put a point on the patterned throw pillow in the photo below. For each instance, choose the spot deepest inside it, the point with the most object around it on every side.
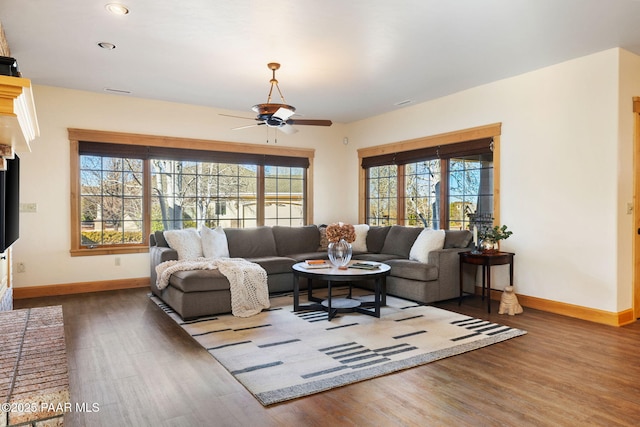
(324, 243)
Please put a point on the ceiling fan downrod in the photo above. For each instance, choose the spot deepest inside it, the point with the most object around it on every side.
(273, 66)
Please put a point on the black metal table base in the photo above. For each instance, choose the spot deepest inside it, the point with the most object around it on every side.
(333, 306)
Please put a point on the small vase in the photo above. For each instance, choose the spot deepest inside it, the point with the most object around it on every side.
(339, 253)
(488, 246)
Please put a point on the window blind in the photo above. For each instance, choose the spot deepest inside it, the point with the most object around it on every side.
(167, 153)
(466, 148)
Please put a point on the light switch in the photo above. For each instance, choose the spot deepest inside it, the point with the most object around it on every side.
(29, 207)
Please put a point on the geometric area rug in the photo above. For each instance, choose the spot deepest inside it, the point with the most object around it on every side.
(280, 354)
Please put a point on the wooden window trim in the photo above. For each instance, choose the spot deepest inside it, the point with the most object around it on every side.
(444, 185)
(85, 135)
(401, 194)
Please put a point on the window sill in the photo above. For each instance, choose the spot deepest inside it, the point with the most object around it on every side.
(109, 250)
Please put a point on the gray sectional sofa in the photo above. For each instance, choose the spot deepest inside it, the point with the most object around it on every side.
(206, 292)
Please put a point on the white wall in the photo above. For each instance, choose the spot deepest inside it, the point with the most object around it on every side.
(566, 169)
(629, 87)
(562, 159)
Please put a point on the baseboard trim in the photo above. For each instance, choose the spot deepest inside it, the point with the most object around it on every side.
(78, 288)
(579, 312)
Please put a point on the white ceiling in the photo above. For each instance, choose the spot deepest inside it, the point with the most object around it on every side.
(342, 60)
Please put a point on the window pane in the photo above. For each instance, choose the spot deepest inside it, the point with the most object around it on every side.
(284, 196)
(111, 200)
(470, 191)
(422, 194)
(381, 197)
(133, 184)
(188, 194)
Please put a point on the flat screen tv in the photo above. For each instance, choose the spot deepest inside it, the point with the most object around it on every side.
(10, 204)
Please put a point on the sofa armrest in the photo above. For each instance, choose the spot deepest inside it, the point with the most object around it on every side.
(448, 263)
(158, 255)
(445, 258)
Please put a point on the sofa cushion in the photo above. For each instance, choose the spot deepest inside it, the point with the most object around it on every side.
(309, 255)
(399, 240)
(186, 242)
(250, 242)
(457, 238)
(274, 264)
(294, 240)
(360, 244)
(214, 242)
(199, 281)
(428, 240)
(370, 256)
(376, 236)
(413, 270)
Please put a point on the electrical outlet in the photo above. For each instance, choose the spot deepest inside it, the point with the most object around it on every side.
(21, 267)
(117, 261)
(629, 208)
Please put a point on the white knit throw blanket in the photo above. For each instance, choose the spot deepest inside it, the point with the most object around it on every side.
(248, 280)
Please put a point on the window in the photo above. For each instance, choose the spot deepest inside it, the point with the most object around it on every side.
(284, 195)
(127, 186)
(382, 195)
(188, 194)
(470, 190)
(433, 183)
(422, 193)
(111, 200)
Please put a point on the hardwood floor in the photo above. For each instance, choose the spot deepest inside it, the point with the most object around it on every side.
(141, 369)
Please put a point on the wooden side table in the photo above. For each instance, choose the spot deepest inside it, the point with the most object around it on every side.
(486, 260)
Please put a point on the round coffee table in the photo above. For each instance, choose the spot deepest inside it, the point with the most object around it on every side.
(333, 274)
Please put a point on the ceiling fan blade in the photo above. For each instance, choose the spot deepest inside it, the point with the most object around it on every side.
(310, 122)
(247, 126)
(288, 129)
(237, 117)
(283, 113)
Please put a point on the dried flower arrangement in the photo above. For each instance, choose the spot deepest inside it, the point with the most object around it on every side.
(340, 230)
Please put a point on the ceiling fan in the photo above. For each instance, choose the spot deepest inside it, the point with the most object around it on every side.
(278, 115)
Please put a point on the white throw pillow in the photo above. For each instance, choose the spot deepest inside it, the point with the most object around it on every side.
(214, 242)
(428, 240)
(186, 242)
(360, 244)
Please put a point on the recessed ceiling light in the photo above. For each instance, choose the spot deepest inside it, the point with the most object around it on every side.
(117, 8)
(107, 45)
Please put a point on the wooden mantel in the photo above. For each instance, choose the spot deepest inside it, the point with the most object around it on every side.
(18, 121)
